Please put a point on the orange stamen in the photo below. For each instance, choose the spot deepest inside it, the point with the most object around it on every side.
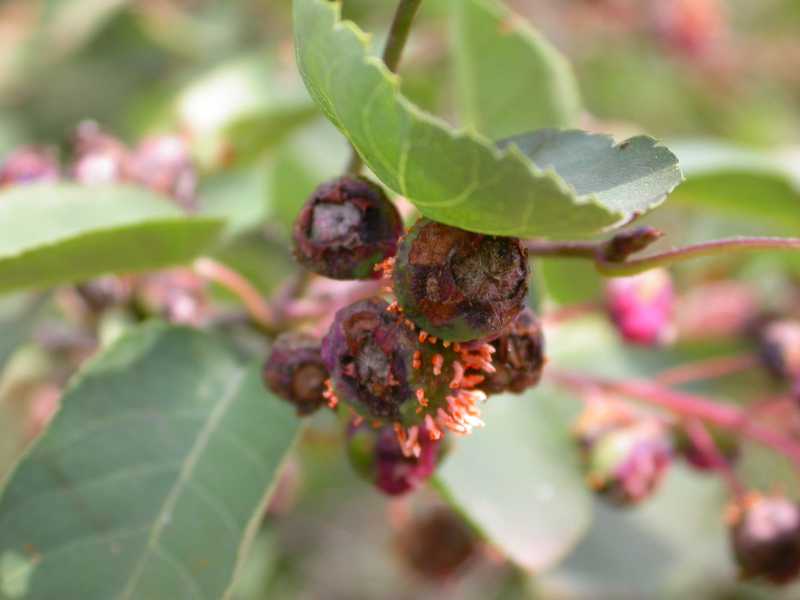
(438, 363)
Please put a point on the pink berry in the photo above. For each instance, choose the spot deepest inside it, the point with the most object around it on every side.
(642, 307)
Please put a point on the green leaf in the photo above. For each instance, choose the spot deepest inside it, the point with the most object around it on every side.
(61, 233)
(17, 316)
(244, 107)
(460, 178)
(253, 134)
(151, 481)
(673, 546)
(510, 78)
(570, 281)
(738, 182)
(631, 177)
(518, 480)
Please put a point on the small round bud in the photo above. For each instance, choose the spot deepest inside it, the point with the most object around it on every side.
(779, 348)
(626, 465)
(458, 285)
(29, 165)
(765, 538)
(518, 358)
(164, 164)
(642, 307)
(103, 293)
(178, 295)
(437, 545)
(691, 28)
(295, 372)
(377, 456)
(601, 416)
(99, 158)
(346, 228)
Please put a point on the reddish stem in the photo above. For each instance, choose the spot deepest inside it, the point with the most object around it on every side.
(712, 248)
(707, 369)
(256, 306)
(705, 444)
(688, 406)
(598, 252)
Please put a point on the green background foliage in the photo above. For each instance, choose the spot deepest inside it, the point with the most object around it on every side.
(225, 73)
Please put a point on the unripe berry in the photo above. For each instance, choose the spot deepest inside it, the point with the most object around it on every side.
(601, 416)
(765, 538)
(295, 372)
(642, 307)
(346, 228)
(625, 455)
(379, 458)
(779, 346)
(29, 165)
(519, 356)
(437, 545)
(458, 285)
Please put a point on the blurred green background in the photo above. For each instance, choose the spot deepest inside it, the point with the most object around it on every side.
(720, 79)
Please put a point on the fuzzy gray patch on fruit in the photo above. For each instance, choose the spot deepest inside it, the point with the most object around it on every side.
(335, 223)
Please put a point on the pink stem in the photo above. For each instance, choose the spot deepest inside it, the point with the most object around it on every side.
(690, 406)
(256, 306)
(707, 369)
(597, 252)
(705, 444)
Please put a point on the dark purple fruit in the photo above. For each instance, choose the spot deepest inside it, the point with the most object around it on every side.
(765, 538)
(518, 358)
(379, 458)
(458, 285)
(346, 228)
(386, 371)
(295, 372)
(437, 545)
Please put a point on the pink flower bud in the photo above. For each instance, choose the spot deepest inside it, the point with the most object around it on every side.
(164, 164)
(642, 307)
(99, 158)
(29, 165)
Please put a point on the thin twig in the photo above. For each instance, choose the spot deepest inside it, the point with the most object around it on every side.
(598, 252)
(712, 248)
(702, 441)
(260, 312)
(710, 368)
(685, 405)
(392, 53)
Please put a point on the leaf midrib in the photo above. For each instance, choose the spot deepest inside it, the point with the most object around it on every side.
(192, 458)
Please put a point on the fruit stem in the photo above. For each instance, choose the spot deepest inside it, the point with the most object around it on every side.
(260, 312)
(398, 34)
(392, 52)
(710, 368)
(685, 405)
(598, 252)
(705, 444)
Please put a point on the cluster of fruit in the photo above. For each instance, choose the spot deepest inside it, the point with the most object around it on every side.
(408, 370)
